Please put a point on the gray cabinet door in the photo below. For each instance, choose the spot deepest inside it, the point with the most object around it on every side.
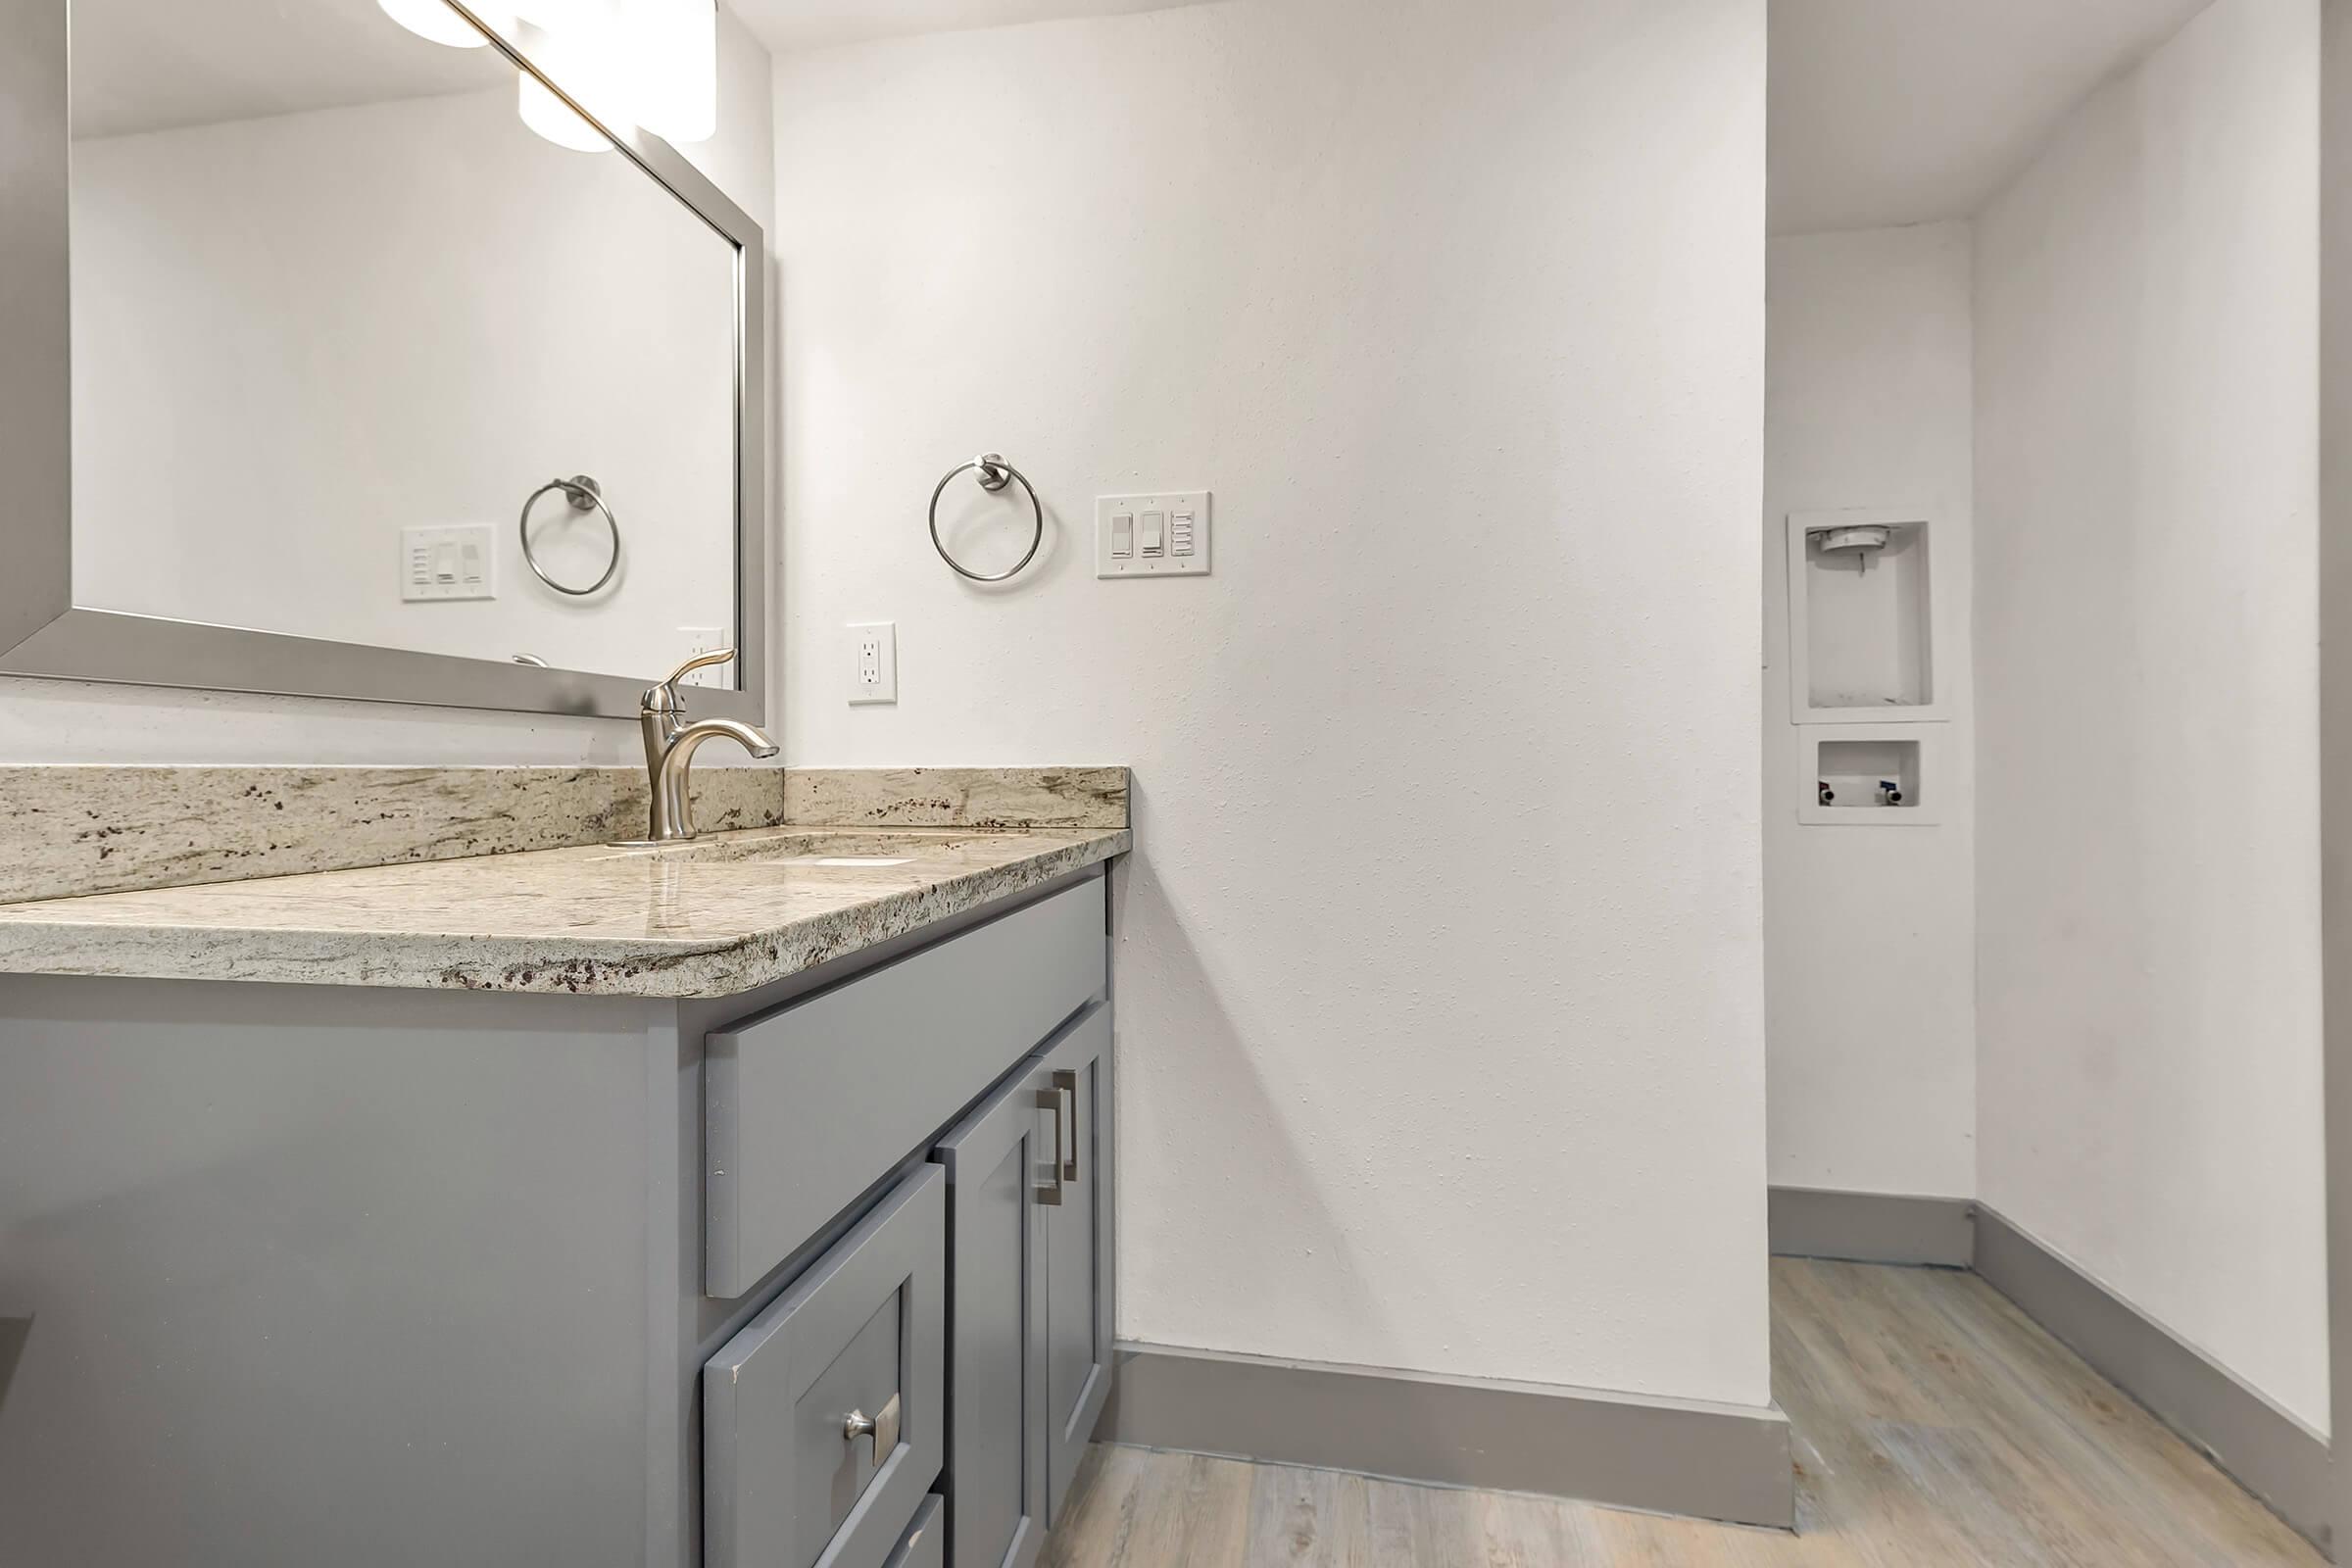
(999, 1164)
(787, 1482)
(1078, 1237)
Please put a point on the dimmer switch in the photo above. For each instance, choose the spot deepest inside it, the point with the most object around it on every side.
(446, 563)
(1162, 535)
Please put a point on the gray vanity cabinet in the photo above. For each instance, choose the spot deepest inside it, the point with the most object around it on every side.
(614, 1281)
(810, 1105)
(824, 1419)
(1078, 1252)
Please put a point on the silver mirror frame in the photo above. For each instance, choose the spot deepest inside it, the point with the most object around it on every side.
(43, 632)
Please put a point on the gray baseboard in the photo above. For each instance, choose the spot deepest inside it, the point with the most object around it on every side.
(1871, 1227)
(2270, 1452)
(1712, 1462)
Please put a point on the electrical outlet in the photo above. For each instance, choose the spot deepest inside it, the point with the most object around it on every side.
(701, 640)
(874, 662)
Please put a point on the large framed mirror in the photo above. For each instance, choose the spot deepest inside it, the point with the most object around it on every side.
(353, 350)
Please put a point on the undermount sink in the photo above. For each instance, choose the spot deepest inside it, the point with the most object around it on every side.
(849, 851)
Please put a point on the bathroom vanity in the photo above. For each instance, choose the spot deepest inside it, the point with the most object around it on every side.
(742, 1203)
(397, 1166)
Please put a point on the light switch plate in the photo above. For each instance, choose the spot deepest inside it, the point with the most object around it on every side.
(446, 563)
(1162, 535)
(874, 662)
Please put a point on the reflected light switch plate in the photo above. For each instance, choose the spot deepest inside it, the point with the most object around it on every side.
(1164, 535)
(442, 563)
(701, 640)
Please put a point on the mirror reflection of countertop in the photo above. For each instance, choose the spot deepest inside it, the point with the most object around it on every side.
(725, 915)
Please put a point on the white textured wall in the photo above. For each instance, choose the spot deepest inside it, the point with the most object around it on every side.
(43, 721)
(2149, 1078)
(1870, 931)
(1440, 964)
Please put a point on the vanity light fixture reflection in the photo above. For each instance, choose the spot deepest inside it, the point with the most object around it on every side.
(581, 59)
(650, 63)
(434, 21)
(678, 48)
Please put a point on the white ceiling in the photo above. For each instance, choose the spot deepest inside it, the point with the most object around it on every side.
(788, 24)
(1882, 111)
(140, 64)
(1889, 111)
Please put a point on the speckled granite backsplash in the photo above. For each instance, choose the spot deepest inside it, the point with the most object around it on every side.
(956, 796)
(67, 830)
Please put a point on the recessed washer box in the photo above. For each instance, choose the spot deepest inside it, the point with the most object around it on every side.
(1864, 613)
(1857, 763)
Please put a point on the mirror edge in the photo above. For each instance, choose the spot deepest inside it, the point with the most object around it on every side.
(44, 634)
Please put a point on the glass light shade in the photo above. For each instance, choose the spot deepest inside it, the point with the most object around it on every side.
(674, 77)
(550, 116)
(650, 63)
(583, 60)
(430, 18)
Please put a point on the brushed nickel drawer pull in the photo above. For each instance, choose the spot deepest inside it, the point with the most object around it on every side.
(1051, 1196)
(883, 1429)
(1065, 1082)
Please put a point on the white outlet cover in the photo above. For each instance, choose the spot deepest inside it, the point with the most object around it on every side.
(1123, 535)
(873, 655)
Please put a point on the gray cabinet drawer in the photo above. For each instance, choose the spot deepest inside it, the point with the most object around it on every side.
(809, 1106)
(923, 1544)
(784, 1483)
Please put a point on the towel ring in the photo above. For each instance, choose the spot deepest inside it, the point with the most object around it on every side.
(995, 473)
(585, 494)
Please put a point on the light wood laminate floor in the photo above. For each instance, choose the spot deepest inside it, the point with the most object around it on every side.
(1934, 1425)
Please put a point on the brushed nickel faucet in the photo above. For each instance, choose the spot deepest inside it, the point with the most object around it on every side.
(670, 743)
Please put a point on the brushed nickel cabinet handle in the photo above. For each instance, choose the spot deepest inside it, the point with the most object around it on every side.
(883, 1429)
(1051, 1196)
(1065, 1082)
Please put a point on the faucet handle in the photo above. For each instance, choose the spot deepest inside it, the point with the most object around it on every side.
(665, 694)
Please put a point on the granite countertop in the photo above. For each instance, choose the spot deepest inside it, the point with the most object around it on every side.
(725, 915)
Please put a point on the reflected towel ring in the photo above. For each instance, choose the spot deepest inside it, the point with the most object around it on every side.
(585, 494)
(994, 473)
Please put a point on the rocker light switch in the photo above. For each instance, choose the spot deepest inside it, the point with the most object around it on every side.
(1152, 536)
